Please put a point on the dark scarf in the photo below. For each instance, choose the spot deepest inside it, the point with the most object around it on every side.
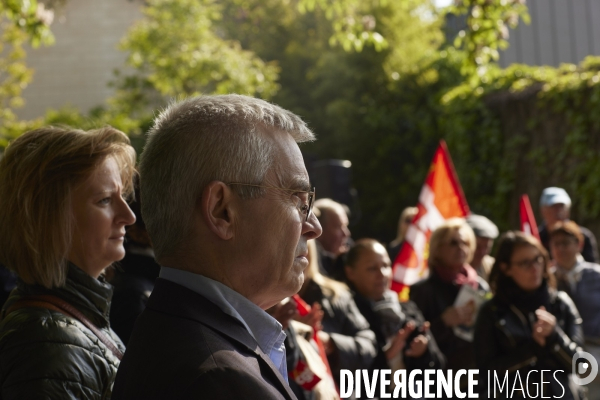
(465, 276)
(508, 292)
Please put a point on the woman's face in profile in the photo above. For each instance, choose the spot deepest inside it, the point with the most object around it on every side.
(454, 251)
(526, 267)
(100, 215)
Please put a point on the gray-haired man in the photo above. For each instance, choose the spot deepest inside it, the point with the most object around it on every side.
(227, 203)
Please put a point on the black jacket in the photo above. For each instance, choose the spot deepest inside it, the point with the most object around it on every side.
(433, 357)
(355, 343)
(133, 283)
(503, 342)
(432, 295)
(185, 347)
(45, 354)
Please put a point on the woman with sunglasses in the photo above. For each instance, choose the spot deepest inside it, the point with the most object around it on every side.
(527, 327)
(451, 248)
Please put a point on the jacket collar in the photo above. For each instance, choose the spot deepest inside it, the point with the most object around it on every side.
(173, 299)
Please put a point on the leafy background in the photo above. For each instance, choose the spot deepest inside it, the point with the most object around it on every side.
(379, 81)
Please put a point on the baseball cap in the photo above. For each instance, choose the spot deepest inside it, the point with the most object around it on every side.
(555, 195)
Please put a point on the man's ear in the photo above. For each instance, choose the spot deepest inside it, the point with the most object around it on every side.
(217, 210)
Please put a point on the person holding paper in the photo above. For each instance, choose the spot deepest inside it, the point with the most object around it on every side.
(528, 326)
(451, 248)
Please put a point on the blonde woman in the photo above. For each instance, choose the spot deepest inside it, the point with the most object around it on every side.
(451, 248)
(62, 222)
(403, 223)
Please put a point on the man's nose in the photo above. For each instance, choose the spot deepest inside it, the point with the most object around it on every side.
(311, 228)
(346, 231)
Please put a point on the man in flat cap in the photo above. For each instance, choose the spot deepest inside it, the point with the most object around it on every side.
(485, 234)
(555, 206)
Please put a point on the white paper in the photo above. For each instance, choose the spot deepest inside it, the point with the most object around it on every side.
(465, 295)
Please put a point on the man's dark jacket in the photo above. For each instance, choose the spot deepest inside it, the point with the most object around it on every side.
(183, 346)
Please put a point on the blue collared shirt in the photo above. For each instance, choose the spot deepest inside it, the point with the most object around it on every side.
(265, 329)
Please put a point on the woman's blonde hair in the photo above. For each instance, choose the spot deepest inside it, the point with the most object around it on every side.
(403, 223)
(329, 286)
(38, 173)
(442, 235)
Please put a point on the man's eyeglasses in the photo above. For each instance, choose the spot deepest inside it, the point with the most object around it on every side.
(305, 204)
(528, 264)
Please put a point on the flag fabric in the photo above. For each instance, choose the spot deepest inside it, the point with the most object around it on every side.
(441, 198)
(303, 309)
(528, 224)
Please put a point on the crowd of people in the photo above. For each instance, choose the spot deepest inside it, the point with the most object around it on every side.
(227, 279)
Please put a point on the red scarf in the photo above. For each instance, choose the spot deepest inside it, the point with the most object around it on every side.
(466, 275)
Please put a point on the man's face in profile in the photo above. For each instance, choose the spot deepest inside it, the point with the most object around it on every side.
(335, 232)
(274, 230)
(483, 248)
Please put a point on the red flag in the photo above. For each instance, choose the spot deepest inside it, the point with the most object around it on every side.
(303, 309)
(441, 198)
(528, 224)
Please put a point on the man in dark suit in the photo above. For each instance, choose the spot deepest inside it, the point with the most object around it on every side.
(227, 204)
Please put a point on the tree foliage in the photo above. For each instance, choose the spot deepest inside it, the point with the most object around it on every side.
(487, 30)
(177, 50)
(21, 23)
(379, 86)
(523, 128)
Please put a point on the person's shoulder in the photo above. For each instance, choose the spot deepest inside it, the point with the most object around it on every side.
(591, 269)
(47, 330)
(54, 352)
(35, 323)
(392, 296)
(423, 282)
(421, 286)
(341, 302)
(586, 232)
(565, 302)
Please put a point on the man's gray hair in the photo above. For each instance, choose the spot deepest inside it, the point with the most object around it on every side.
(323, 207)
(199, 140)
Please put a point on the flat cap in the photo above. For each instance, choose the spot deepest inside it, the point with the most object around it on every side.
(482, 226)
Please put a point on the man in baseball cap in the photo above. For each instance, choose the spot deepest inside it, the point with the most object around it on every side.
(555, 206)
